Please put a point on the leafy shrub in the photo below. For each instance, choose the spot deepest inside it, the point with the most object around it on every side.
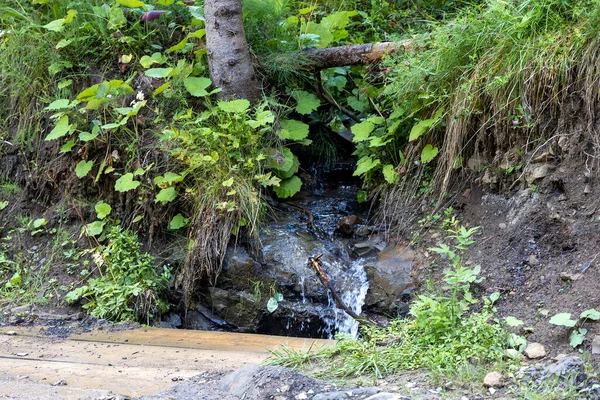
(129, 285)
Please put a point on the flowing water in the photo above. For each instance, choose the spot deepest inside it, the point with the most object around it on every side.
(289, 242)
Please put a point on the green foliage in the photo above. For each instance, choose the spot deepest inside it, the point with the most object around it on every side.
(577, 335)
(129, 286)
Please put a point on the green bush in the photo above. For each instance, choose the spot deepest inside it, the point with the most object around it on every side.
(129, 287)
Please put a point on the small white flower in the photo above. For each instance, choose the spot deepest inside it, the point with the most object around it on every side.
(109, 96)
(140, 95)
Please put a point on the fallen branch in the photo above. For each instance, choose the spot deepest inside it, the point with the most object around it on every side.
(353, 54)
(309, 223)
(318, 266)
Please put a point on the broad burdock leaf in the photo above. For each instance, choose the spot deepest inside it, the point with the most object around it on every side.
(178, 222)
(512, 321)
(234, 106)
(390, 174)
(429, 152)
(365, 164)
(197, 86)
(59, 104)
(126, 183)
(102, 209)
(362, 131)
(166, 195)
(288, 187)
(61, 128)
(158, 72)
(577, 336)
(563, 319)
(95, 228)
(131, 3)
(293, 130)
(155, 58)
(83, 168)
(592, 314)
(306, 102)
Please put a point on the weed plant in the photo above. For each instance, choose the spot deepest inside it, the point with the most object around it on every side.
(130, 286)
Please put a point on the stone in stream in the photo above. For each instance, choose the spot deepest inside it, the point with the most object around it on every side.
(240, 310)
(389, 279)
(346, 224)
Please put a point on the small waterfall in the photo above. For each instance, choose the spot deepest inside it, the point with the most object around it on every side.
(353, 297)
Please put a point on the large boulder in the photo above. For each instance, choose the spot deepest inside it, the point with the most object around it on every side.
(389, 280)
(237, 308)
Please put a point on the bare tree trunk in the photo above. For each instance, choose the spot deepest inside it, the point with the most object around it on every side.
(352, 54)
(229, 59)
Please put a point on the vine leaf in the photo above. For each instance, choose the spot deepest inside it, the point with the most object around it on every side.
(102, 209)
(563, 319)
(61, 129)
(293, 130)
(178, 222)
(197, 86)
(126, 183)
(83, 168)
(288, 187)
(166, 195)
(305, 102)
(362, 131)
(429, 152)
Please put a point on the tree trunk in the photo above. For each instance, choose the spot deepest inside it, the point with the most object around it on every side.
(352, 54)
(229, 59)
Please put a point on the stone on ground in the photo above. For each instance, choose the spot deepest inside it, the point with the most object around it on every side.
(535, 350)
(494, 379)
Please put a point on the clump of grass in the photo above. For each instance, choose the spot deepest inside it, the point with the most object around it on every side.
(502, 73)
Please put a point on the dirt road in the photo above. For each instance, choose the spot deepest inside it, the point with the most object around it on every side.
(130, 363)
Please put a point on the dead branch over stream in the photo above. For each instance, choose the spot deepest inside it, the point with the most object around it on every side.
(318, 266)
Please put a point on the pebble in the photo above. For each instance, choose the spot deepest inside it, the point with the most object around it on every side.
(569, 276)
(301, 396)
(21, 354)
(11, 333)
(494, 379)
(535, 350)
(385, 396)
(502, 225)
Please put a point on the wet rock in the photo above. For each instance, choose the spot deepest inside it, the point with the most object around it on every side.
(171, 320)
(596, 345)
(369, 247)
(587, 189)
(536, 172)
(387, 396)
(237, 308)
(494, 379)
(297, 319)
(239, 269)
(570, 276)
(346, 224)
(389, 279)
(25, 309)
(535, 350)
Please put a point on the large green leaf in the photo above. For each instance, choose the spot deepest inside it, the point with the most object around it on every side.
(563, 319)
(59, 104)
(288, 187)
(83, 168)
(158, 72)
(126, 183)
(293, 130)
(362, 131)
(365, 164)
(178, 222)
(428, 153)
(131, 3)
(305, 102)
(61, 128)
(166, 195)
(197, 86)
(390, 174)
(156, 58)
(102, 209)
(592, 314)
(577, 336)
(234, 106)
(420, 128)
